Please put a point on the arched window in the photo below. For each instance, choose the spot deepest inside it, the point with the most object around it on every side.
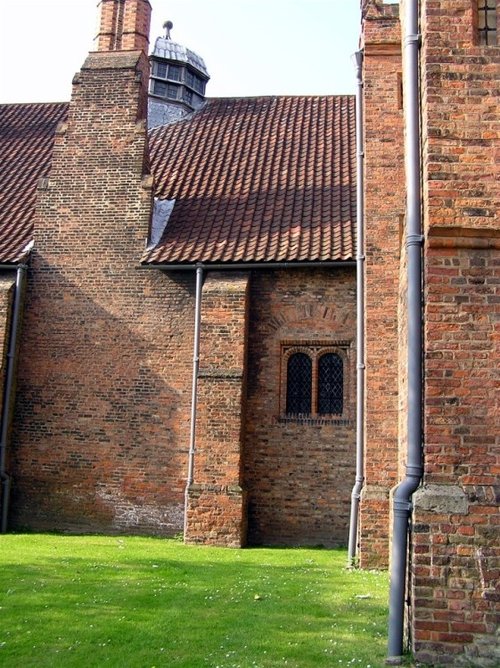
(299, 384)
(330, 384)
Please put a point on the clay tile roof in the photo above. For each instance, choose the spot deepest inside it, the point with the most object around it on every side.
(26, 141)
(268, 179)
(265, 179)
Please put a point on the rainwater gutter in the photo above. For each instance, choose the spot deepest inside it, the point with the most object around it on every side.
(360, 316)
(194, 393)
(402, 504)
(245, 266)
(8, 398)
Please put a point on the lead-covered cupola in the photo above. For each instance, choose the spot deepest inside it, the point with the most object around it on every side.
(178, 80)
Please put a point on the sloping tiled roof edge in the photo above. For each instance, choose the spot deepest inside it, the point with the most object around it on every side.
(256, 180)
(262, 179)
(26, 142)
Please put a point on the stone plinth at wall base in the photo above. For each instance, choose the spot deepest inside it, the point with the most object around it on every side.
(374, 527)
(454, 562)
(216, 515)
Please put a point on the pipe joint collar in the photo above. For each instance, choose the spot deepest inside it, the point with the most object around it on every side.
(402, 507)
(414, 471)
(414, 240)
(415, 38)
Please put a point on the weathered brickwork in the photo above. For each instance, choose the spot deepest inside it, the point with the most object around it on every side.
(460, 111)
(456, 558)
(384, 204)
(298, 473)
(217, 507)
(104, 380)
(456, 562)
(454, 554)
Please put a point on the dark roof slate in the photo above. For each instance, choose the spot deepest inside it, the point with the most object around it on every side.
(26, 141)
(265, 179)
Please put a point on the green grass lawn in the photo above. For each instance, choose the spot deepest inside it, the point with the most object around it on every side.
(129, 601)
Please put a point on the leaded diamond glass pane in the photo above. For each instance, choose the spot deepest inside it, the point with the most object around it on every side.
(299, 384)
(487, 22)
(330, 384)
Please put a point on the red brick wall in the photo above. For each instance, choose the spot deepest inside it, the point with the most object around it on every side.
(298, 475)
(217, 507)
(460, 107)
(384, 204)
(456, 553)
(105, 362)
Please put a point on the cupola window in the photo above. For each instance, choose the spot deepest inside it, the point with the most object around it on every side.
(172, 92)
(174, 73)
(160, 88)
(199, 85)
(160, 69)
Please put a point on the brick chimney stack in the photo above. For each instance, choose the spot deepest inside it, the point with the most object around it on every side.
(123, 25)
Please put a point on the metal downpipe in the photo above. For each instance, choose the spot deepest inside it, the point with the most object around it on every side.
(402, 504)
(194, 392)
(8, 399)
(360, 315)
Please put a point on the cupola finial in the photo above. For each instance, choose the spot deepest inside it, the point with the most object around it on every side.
(168, 25)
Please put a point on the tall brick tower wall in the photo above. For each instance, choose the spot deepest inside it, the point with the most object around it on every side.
(456, 552)
(104, 375)
(384, 206)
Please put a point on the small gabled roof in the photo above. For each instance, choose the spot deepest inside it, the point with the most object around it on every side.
(26, 141)
(265, 179)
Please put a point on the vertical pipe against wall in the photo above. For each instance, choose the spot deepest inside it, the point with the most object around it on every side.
(194, 392)
(8, 399)
(402, 505)
(360, 315)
